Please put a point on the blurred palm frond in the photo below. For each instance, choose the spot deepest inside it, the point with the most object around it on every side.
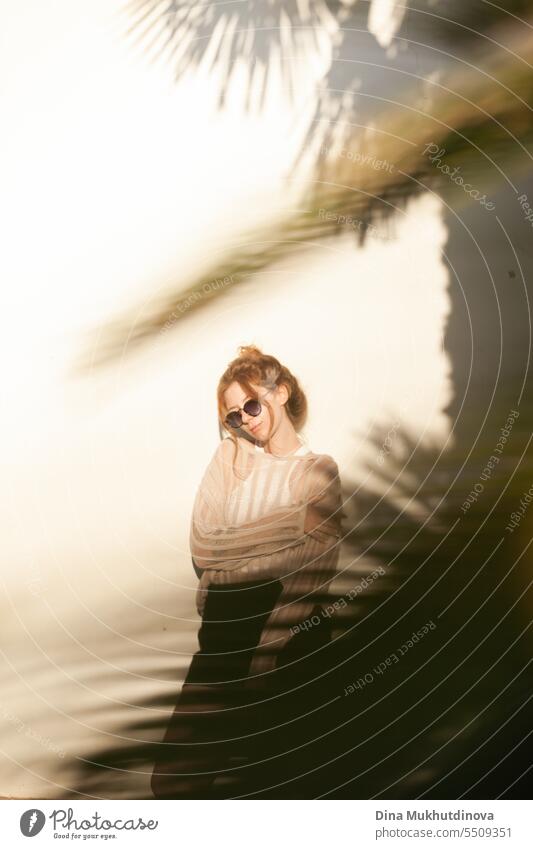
(479, 119)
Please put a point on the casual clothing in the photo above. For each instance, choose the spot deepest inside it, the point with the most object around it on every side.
(260, 574)
(248, 523)
(211, 719)
(224, 728)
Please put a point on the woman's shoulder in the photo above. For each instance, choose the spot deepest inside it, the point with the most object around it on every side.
(222, 455)
(245, 455)
(322, 462)
(228, 446)
(318, 472)
(236, 458)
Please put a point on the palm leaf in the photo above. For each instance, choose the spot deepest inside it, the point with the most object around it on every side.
(480, 116)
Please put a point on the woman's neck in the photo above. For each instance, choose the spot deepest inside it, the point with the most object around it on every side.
(283, 442)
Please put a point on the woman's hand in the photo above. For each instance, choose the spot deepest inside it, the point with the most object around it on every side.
(201, 592)
(200, 600)
(314, 516)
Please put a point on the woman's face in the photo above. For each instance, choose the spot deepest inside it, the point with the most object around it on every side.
(258, 426)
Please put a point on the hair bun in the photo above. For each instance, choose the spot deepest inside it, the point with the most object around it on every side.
(249, 351)
(253, 367)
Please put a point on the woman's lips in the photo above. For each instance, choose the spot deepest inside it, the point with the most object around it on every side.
(256, 427)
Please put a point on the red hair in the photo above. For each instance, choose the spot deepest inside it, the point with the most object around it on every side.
(252, 366)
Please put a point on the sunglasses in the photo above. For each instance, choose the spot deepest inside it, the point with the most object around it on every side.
(252, 407)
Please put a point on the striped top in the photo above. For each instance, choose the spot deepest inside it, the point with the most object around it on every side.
(262, 493)
(248, 523)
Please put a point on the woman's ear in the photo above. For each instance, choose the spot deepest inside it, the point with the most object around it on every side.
(282, 394)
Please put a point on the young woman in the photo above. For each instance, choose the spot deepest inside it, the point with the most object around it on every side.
(264, 538)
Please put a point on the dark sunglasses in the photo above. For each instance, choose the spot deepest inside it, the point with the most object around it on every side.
(252, 407)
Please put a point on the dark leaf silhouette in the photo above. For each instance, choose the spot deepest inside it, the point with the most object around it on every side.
(478, 113)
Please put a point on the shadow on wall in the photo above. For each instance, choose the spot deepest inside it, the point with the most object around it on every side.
(444, 714)
(424, 689)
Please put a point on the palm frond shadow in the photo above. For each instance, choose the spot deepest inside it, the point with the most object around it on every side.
(479, 116)
(428, 48)
(258, 36)
(379, 714)
(434, 701)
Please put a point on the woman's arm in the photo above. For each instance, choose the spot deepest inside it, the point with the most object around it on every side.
(306, 586)
(215, 545)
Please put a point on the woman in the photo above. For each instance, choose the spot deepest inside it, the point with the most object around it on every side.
(264, 538)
